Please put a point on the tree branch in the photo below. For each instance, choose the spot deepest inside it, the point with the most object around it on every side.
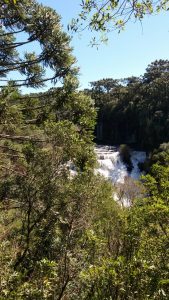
(21, 138)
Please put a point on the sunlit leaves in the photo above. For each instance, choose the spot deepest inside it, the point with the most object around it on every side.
(106, 16)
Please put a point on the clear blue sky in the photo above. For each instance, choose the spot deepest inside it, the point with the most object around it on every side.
(126, 54)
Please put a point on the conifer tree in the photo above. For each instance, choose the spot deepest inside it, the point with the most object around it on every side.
(45, 209)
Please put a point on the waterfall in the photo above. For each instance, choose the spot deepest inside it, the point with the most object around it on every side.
(110, 165)
(113, 168)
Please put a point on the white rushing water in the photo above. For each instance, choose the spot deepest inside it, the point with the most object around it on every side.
(112, 167)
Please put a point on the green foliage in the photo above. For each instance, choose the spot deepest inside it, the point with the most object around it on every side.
(134, 110)
(62, 236)
(160, 155)
(105, 16)
(139, 270)
(41, 26)
(45, 211)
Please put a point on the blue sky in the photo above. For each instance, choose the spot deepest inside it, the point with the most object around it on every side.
(126, 54)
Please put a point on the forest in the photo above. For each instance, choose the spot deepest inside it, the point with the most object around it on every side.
(64, 236)
(134, 110)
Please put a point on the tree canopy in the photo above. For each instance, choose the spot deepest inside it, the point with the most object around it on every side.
(62, 235)
(106, 16)
(39, 29)
(134, 110)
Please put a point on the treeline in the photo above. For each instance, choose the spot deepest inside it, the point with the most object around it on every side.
(62, 236)
(134, 110)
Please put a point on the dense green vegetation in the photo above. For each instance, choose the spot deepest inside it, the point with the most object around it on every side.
(134, 110)
(62, 236)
